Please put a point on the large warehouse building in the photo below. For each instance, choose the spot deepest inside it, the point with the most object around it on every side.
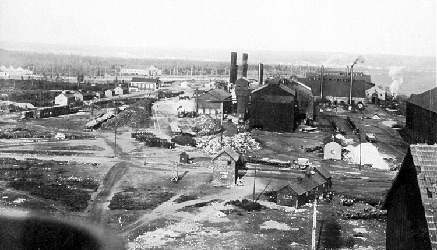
(421, 117)
(273, 108)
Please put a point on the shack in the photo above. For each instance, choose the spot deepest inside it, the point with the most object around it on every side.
(213, 101)
(303, 189)
(332, 151)
(411, 202)
(224, 167)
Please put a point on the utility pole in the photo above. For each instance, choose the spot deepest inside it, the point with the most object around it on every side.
(313, 232)
(254, 179)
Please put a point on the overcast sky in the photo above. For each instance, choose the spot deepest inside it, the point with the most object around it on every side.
(366, 26)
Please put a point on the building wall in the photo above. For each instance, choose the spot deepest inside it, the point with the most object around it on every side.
(273, 109)
(421, 124)
(287, 197)
(61, 100)
(406, 224)
(332, 151)
(224, 171)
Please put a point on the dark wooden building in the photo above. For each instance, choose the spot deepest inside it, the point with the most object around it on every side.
(421, 114)
(273, 107)
(411, 202)
(304, 188)
(224, 168)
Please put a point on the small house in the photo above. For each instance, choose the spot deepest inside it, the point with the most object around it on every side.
(121, 91)
(183, 157)
(304, 188)
(109, 92)
(145, 83)
(66, 98)
(224, 167)
(332, 151)
(411, 202)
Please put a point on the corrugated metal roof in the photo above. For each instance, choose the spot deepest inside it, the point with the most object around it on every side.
(219, 93)
(425, 157)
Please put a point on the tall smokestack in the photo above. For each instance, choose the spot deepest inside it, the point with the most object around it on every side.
(321, 80)
(245, 66)
(234, 68)
(260, 73)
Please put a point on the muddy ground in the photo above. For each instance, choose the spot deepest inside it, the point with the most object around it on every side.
(136, 200)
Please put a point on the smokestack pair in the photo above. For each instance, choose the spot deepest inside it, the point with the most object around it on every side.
(234, 67)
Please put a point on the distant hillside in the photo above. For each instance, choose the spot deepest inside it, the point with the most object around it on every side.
(267, 57)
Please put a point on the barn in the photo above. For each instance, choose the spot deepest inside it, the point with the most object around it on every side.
(273, 107)
(332, 151)
(224, 167)
(411, 202)
(421, 117)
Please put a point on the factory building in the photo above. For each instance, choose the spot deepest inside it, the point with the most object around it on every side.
(213, 101)
(242, 93)
(421, 115)
(273, 107)
(305, 100)
(335, 86)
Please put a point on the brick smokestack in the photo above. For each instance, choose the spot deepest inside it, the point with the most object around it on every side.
(245, 66)
(234, 68)
(260, 73)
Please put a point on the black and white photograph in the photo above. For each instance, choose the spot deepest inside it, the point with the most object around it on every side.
(218, 125)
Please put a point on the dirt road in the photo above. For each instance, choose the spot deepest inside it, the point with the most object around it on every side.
(105, 192)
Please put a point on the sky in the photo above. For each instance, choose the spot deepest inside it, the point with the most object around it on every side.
(400, 27)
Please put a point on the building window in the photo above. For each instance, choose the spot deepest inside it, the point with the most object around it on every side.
(229, 163)
(223, 175)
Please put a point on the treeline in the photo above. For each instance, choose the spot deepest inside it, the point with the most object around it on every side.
(74, 65)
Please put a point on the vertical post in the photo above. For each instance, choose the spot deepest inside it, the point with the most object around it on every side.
(350, 90)
(313, 232)
(115, 141)
(254, 179)
(197, 101)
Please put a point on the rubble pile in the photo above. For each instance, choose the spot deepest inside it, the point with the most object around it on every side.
(242, 143)
(205, 125)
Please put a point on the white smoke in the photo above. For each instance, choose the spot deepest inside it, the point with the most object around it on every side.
(396, 74)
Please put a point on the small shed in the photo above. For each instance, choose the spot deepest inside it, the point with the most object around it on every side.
(304, 188)
(224, 167)
(183, 157)
(332, 151)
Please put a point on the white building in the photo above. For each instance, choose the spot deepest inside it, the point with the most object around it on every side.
(145, 83)
(68, 97)
(141, 71)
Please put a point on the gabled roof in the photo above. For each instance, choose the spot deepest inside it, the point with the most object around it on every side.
(426, 100)
(142, 79)
(219, 93)
(234, 155)
(271, 85)
(307, 184)
(325, 173)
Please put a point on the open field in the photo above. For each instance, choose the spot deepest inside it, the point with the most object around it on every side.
(132, 194)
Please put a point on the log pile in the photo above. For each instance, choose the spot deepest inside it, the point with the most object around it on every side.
(241, 143)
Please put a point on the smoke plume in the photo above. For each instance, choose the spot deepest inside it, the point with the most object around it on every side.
(396, 74)
(360, 59)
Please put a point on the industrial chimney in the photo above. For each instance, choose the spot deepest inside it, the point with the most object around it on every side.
(260, 73)
(350, 91)
(245, 66)
(234, 68)
(322, 73)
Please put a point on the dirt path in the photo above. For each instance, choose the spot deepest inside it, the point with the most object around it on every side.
(105, 192)
(168, 208)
